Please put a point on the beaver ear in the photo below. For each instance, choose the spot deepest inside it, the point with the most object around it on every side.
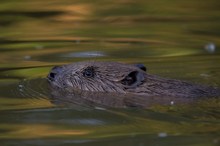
(133, 79)
(141, 66)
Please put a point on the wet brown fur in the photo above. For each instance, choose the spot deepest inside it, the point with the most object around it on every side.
(109, 78)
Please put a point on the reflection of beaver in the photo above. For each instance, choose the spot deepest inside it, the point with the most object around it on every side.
(112, 77)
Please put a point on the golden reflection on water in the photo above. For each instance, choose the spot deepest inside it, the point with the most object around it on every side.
(137, 127)
(19, 103)
(28, 131)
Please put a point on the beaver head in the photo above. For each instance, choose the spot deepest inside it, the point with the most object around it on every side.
(97, 76)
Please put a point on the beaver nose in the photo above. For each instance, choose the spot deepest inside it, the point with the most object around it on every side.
(54, 71)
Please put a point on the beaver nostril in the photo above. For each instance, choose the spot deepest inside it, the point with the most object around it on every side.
(54, 71)
(52, 75)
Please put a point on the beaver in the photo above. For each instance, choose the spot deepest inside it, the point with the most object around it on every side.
(111, 78)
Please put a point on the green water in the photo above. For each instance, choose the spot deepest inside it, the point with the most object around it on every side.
(175, 39)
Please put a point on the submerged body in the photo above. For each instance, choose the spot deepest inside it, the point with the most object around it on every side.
(121, 79)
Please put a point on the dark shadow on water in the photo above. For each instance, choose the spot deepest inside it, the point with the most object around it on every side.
(11, 17)
(34, 14)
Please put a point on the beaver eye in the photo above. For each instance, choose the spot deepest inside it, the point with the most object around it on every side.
(89, 72)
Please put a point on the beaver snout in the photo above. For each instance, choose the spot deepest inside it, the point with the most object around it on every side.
(54, 71)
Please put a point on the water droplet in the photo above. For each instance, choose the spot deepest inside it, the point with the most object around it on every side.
(27, 57)
(210, 47)
(162, 134)
(20, 86)
(100, 108)
(205, 75)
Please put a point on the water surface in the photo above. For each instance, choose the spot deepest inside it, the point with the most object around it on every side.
(175, 39)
